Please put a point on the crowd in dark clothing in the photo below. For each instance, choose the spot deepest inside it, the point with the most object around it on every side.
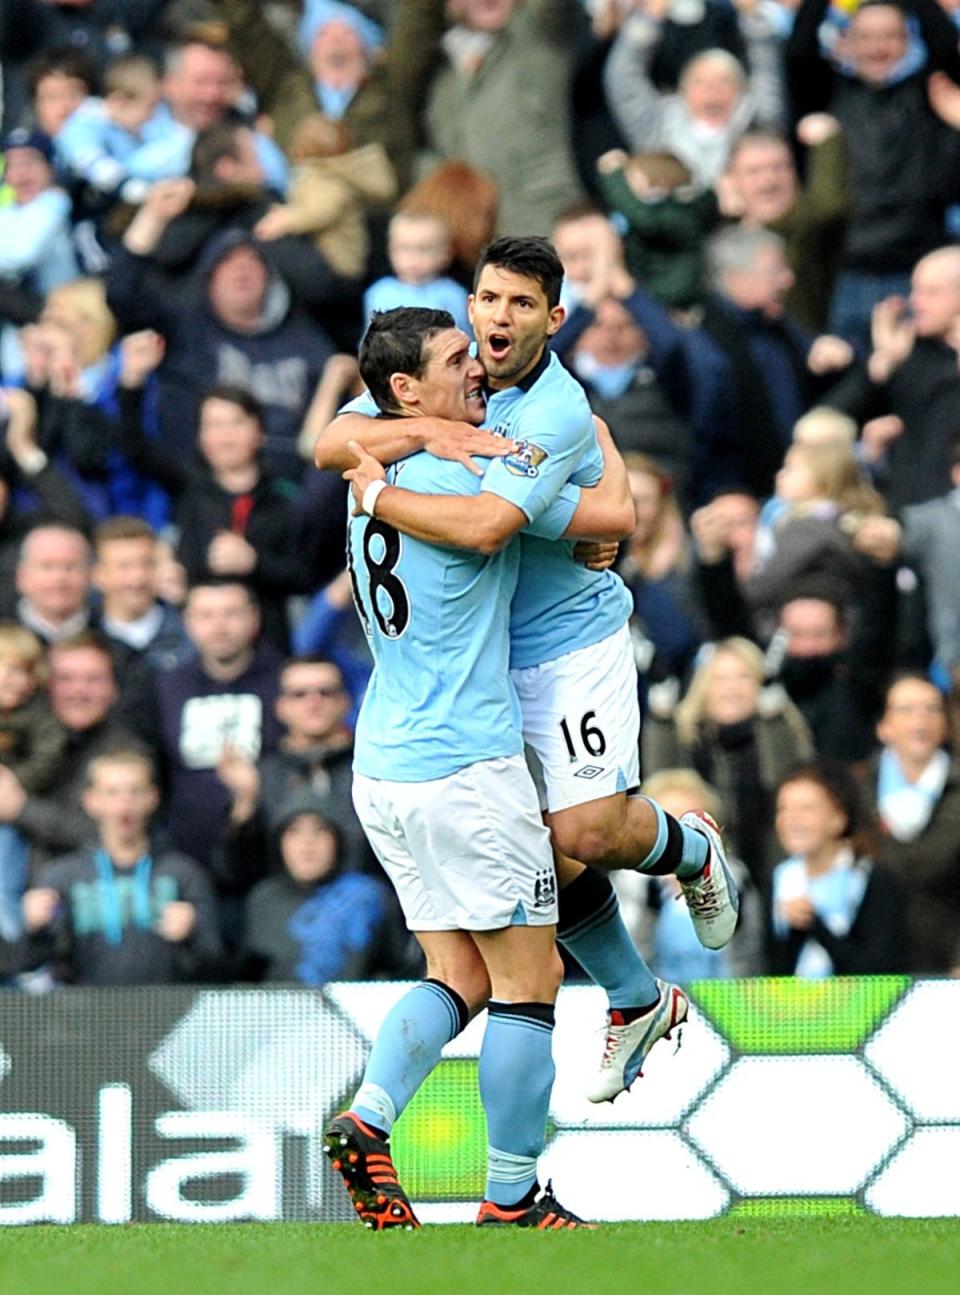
(755, 205)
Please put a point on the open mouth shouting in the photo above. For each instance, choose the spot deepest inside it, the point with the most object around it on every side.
(499, 345)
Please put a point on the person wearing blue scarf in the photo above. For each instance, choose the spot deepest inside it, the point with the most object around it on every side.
(835, 912)
(122, 912)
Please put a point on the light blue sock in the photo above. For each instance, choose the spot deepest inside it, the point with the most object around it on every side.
(406, 1049)
(590, 926)
(678, 849)
(516, 1078)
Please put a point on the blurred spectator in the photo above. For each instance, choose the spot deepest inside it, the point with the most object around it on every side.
(907, 394)
(83, 693)
(200, 712)
(36, 251)
(467, 201)
(903, 160)
(915, 785)
(667, 218)
(344, 70)
(59, 81)
(497, 53)
(761, 188)
(836, 912)
(53, 581)
(234, 518)
(31, 748)
(118, 144)
(612, 361)
(740, 736)
(94, 30)
(141, 628)
(236, 324)
(313, 923)
(125, 910)
(333, 182)
(715, 101)
(420, 253)
(655, 566)
(661, 927)
(329, 628)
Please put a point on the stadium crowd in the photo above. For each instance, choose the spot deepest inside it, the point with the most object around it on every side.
(203, 202)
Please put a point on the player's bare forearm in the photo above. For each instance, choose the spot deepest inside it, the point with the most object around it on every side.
(606, 511)
(387, 439)
(482, 522)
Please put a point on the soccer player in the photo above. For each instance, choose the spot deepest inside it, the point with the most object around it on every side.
(571, 654)
(445, 797)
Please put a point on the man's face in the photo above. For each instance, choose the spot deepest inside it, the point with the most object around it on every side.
(54, 573)
(230, 438)
(876, 42)
(337, 55)
(935, 294)
(201, 88)
(613, 338)
(56, 97)
(487, 15)
(765, 179)
(764, 285)
(914, 722)
(82, 687)
(126, 575)
(313, 702)
(710, 92)
(28, 173)
(451, 384)
(511, 321)
(121, 799)
(238, 283)
(222, 622)
(813, 628)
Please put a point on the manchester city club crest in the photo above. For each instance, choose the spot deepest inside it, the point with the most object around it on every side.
(525, 460)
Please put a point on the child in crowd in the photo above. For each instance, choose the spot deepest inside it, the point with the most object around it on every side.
(121, 912)
(120, 144)
(31, 747)
(313, 923)
(419, 248)
(666, 219)
(333, 183)
(60, 80)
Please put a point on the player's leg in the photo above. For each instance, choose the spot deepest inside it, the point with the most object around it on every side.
(642, 1010)
(414, 1032)
(581, 718)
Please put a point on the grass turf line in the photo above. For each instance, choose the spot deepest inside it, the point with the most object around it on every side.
(848, 1256)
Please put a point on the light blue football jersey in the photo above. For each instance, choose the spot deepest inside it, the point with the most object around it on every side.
(440, 696)
(559, 606)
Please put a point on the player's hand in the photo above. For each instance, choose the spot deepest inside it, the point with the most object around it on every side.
(368, 469)
(595, 555)
(177, 921)
(459, 441)
(40, 907)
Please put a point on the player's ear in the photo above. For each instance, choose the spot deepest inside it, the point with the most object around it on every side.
(403, 388)
(555, 320)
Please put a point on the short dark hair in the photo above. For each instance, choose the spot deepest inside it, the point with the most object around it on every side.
(234, 394)
(65, 61)
(396, 342)
(212, 146)
(533, 257)
(839, 784)
(211, 581)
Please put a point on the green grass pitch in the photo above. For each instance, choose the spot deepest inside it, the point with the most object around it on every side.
(728, 1256)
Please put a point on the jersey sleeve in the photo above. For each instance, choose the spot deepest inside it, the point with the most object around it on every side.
(362, 404)
(556, 517)
(554, 440)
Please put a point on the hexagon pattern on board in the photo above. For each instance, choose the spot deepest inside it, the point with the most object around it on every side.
(917, 1051)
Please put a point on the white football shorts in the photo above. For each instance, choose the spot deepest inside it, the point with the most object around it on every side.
(581, 722)
(468, 852)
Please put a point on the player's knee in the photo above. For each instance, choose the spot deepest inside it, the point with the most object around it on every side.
(589, 842)
(466, 977)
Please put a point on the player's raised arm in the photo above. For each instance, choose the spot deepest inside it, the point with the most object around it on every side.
(606, 511)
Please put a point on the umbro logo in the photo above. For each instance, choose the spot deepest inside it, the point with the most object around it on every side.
(589, 771)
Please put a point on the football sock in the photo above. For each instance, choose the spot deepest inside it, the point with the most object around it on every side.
(590, 926)
(516, 1078)
(406, 1049)
(678, 849)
